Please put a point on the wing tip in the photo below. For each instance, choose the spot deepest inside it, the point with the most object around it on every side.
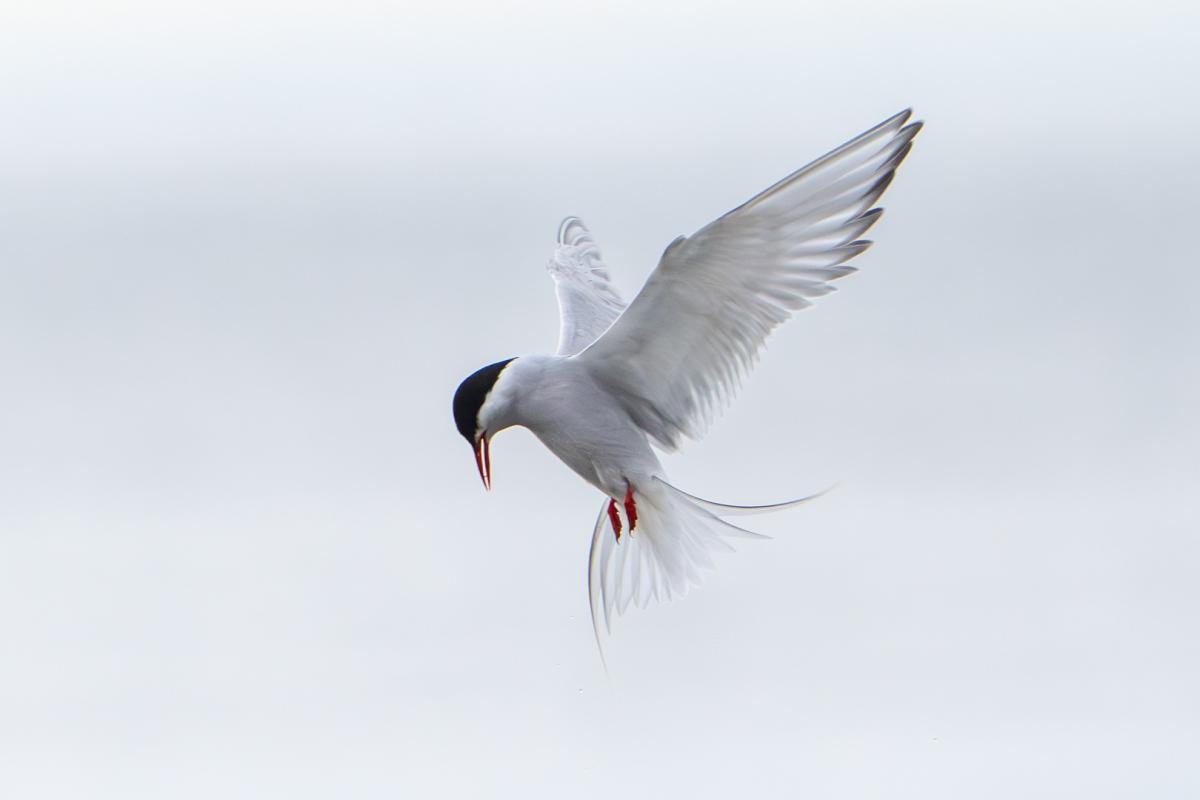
(572, 232)
(866, 220)
(903, 128)
(856, 247)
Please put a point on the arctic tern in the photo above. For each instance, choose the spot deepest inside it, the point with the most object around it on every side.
(630, 377)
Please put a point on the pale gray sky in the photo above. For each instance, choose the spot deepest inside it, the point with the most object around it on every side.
(248, 251)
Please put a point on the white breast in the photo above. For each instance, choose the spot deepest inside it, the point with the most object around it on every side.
(578, 421)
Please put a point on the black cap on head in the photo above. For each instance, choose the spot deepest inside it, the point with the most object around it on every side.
(470, 396)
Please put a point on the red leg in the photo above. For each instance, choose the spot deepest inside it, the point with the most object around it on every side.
(630, 507)
(614, 518)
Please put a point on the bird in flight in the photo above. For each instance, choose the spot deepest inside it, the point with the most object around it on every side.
(627, 378)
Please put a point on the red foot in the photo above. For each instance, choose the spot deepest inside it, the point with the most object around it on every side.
(630, 507)
(614, 518)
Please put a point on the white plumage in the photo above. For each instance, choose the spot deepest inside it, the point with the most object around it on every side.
(662, 367)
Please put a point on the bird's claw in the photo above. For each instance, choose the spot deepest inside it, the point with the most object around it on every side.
(614, 516)
(615, 519)
(630, 507)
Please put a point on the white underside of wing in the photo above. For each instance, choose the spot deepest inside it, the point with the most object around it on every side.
(678, 353)
(587, 301)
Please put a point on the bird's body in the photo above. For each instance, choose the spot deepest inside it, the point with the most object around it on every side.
(577, 419)
(629, 378)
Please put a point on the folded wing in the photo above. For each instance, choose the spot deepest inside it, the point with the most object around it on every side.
(677, 354)
(587, 301)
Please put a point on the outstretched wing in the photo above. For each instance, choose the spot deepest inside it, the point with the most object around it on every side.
(676, 356)
(587, 301)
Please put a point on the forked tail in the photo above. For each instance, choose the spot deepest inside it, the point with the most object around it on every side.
(665, 554)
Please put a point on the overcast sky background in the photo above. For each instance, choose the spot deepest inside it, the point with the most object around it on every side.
(248, 250)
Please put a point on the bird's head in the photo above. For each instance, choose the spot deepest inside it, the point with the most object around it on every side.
(476, 413)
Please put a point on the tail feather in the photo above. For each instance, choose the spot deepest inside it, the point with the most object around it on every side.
(666, 554)
(723, 510)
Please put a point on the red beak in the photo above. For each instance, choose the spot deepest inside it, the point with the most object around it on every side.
(483, 460)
